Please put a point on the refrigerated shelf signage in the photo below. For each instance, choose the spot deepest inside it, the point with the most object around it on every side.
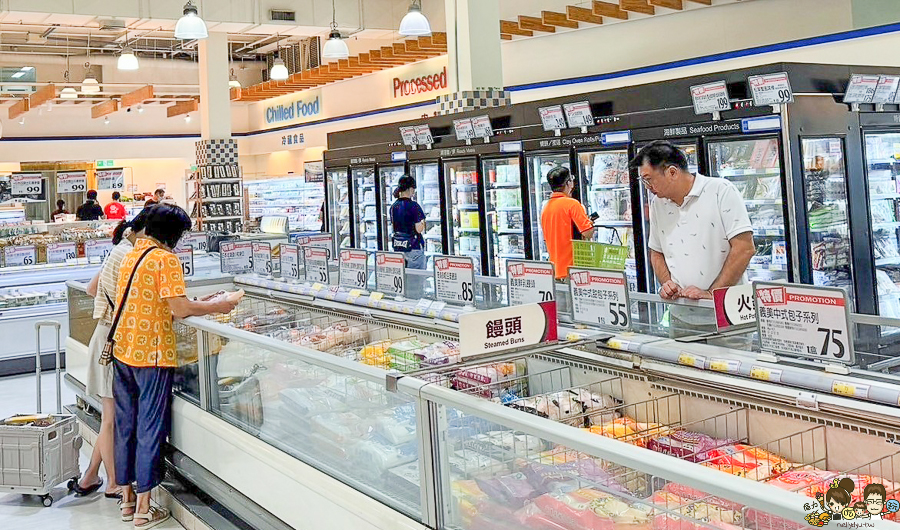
(61, 252)
(552, 118)
(186, 257)
(711, 98)
(579, 114)
(290, 262)
(409, 136)
(111, 179)
(199, 241)
(496, 330)
(262, 258)
(861, 88)
(482, 127)
(423, 135)
(71, 181)
(886, 90)
(354, 268)
(734, 307)
(322, 240)
(529, 282)
(771, 89)
(390, 273)
(27, 184)
(454, 279)
(804, 321)
(398, 156)
(96, 250)
(600, 297)
(464, 129)
(19, 256)
(236, 257)
(315, 261)
(615, 138)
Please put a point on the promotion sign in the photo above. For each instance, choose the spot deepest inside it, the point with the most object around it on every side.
(71, 181)
(354, 272)
(199, 241)
(322, 240)
(552, 118)
(464, 129)
(734, 307)
(97, 249)
(186, 257)
(236, 257)
(804, 321)
(19, 256)
(423, 135)
(771, 89)
(61, 252)
(290, 262)
(111, 179)
(315, 261)
(710, 98)
(390, 273)
(529, 282)
(886, 90)
(27, 184)
(861, 88)
(600, 297)
(409, 136)
(579, 114)
(483, 332)
(454, 279)
(481, 126)
(262, 258)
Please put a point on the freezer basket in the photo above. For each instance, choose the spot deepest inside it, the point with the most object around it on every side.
(599, 255)
(34, 459)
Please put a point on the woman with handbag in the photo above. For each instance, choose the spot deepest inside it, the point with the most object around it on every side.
(151, 291)
(100, 378)
(408, 220)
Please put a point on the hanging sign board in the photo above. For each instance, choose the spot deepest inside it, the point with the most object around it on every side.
(97, 250)
(71, 181)
(19, 256)
(454, 280)
(530, 282)
(464, 129)
(861, 88)
(804, 321)
(199, 241)
(771, 89)
(390, 273)
(409, 136)
(552, 118)
(482, 127)
(111, 179)
(579, 114)
(186, 257)
(423, 135)
(886, 90)
(236, 257)
(262, 258)
(27, 184)
(290, 262)
(710, 98)
(600, 297)
(734, 307)
(482, 332)
(354, 273)
(61, 252)
(315, 261)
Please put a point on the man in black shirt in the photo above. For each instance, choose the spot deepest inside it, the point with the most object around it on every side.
(90, 210)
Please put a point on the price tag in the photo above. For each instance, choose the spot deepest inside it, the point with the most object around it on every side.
(331, 292)
(689, 359)
(771, 89)
(317, 287)
(199, 241)
(734, 307)
(422, 306)
(552, 118)
(354, 295)
(530, 282)
(374, 298)
(110, 179)
(423, 135)
(409, 136)
(765, 374)
(435, 309)
(886, 90)
(61, 252)
(854, 390)
(71, 181)
(482, 127)
(861, 88)
(290, 262)
(710, 98)
(97, 249)
(600, 297)
(262, 258)
(315, 261)
(454, 279)
(236, 257)
(579, 114)
(464, 129)
(725, 365)
(354, 269)
(186, 257)
(390, 273)
(20, 256)
(27, 184)
(804, 321)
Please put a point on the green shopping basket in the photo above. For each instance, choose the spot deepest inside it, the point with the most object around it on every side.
(600, 255)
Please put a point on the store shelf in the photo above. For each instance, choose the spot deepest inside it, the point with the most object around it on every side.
(207, 181)
(515, 231)
(884, 196)
(219, 218)
(768, 232)
(773, 268)
(601, 223)
(466, 206)
(432, 220)
(761, 202)
(752, 172)
(508, 208)
(506, 185)
(608, 186)
(433, 237)
(371, 203)
(466, 187)
(435, 201)
(887, 261)
(369, 220)
(513, 255)
(218, 199)
(468, 230)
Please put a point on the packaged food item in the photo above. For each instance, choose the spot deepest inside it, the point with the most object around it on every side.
(569, 476)
(711, 514)
(748, 461)
(339, 427)
(630, 431)
(573, 511)
(510, 490)
(687, 445)
(403, 354)
(375, 455)
(375, 354)
(471, 464)
(486, 380)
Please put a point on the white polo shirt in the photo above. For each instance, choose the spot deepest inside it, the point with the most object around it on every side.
(694, 237)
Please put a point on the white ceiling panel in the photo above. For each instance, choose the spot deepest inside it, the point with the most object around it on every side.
(26, 17)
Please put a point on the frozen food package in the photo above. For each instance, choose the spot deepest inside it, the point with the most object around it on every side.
(511, 490)
(572, 511)
(687, 445)
(711, 514)
(471, 464)
(376, 455)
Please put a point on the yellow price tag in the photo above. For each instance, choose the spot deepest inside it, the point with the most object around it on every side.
(688, 359)
(765, 374)
(376, 296)
(718, 366)
(844, 389)
(572, 336)
(431, 313)
(317, 287)
(353, 295)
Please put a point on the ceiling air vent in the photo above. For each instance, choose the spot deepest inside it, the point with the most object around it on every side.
(282, 15)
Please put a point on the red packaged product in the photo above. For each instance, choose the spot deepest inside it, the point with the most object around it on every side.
(573, 511)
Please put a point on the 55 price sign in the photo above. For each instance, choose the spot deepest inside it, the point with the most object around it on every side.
(600, 297)
(290, 262)
(316, 264)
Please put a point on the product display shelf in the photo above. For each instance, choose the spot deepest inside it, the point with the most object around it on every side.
(208, 190)
(300, 201)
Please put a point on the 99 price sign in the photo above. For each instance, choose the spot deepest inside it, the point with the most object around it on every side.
(27, 184)
(454, 280)
(71, 181)
(390, 273)
(600, 298)
(354, 269)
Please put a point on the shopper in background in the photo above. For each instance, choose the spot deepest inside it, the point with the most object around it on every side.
(563, 218)
(701, 238)
(91, 209)
(409, 224)
(115, 209)
(145, 356)
(99, 377)
(60, 209)
(157, 198)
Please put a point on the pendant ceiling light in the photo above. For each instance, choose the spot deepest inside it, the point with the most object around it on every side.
(233, 80)
(68, 93)
(335, 47)
(90, 84)
(128, 60)
(279, 70)
(190, 26)
(414, 24)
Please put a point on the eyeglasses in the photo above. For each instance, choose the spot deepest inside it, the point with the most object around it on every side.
(646, 180)
(874, 502)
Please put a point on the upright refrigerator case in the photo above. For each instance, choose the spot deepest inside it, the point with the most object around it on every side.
(504, 213)
(428, 194)
(388, 179)
(882, 172)
(754, 167)
(366, 208)
(463, 208)
(538, 166)
(339, 220)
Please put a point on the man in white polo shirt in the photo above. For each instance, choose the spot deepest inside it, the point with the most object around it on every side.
(701, 238)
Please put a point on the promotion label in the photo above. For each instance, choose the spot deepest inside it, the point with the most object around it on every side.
(771, 89)
(423, 135)
(600, 297)
(110, 179)
(199, 241)
(61, 252)
(354, 272)
(861, 88)
(482, 127)
(186, 257)
(321, 240)
(27, 184)
(734, 307)
(482, 332)
(290, 262)
(579, 114)
(236, 257)
(454, 279)
(463, 129)
(530, 282)
(710, 98)
(886, 90)
(409, 136)
(390, 273)
(71, 181)
(19, 256)
(262, 258)
(315, 261)
(804, 321)
(552, 118)
(97, 249)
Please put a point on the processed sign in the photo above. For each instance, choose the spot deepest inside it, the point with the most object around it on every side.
(600, 297)
(454, 280)
(482, 332)
(529, 282)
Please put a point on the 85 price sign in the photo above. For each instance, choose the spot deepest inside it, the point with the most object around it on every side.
(454, 279)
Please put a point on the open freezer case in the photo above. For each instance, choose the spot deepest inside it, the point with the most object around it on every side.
(464, 209)
(340, 222)
(505, 213)
(539, 164)
(366, 236)
(388, 179)
(428, 195)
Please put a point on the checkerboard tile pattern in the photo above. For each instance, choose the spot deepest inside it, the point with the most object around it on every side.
(467, 100)
(217, 152)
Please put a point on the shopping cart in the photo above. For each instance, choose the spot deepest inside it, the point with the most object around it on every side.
(37, 451)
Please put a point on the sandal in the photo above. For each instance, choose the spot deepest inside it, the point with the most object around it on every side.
(82, 492)
(153, 517)
(127, 517)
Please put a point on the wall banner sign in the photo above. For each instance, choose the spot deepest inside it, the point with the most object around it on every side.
(390, 273)
(735, 307)
(71, 181)
(236, 257)
(454, 280)
(483, 332)
(600, 297)
(110, 179)
(419, 83)
(529, 282)
(296, 109)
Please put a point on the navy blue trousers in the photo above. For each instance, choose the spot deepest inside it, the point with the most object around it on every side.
(143, 399)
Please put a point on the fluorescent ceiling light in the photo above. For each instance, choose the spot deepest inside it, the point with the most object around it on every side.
(414, 24)
(90, 85)
(128, 60)
(279, 70)
(335, 47)
(190, 26)
(18, 74)
(27, 68)
(68, 93)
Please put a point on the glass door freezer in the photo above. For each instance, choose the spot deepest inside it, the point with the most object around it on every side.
(366, 206)
(504, 213)
(464, 209)
(539, 165)
(428, 195)
(339, 219)
(882, 159)
(388, 179)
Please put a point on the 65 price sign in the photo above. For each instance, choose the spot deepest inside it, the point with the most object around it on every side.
(390, 273)
(600, 297)
(19, 256)
(454, 280)
(27, 184)
(354, 269)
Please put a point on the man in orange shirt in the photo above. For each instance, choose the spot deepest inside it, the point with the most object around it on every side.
(563, 218)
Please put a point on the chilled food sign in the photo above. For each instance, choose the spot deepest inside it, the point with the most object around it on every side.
(484, 332)
(420, 81)
(295, 110)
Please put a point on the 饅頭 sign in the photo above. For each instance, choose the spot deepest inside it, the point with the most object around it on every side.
(507, 328)
(529, 282)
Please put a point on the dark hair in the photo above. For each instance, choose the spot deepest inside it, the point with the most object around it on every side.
(405, 183)
(166, 223)
(841, 492)
(136, 225)
(659, 154)
(557, 177)
(860, 505)
(878, 489)
(60, 203)
(116, 195)
(160, 191)
(92, 195)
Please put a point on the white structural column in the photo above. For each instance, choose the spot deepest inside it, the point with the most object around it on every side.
(215, 103)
